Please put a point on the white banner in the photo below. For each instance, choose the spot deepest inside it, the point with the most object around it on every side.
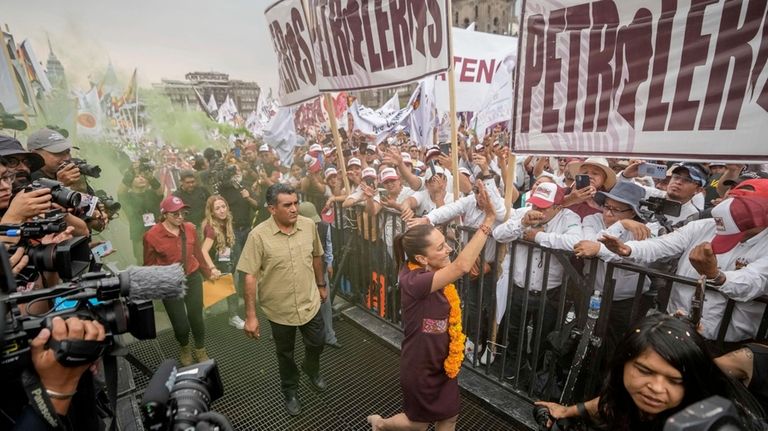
(89, 115)
(497, 107)
(289, 29)
(369, 44)
(476, 58)
(372, 122)
(676, 80)
(423, 119)
(280, 134)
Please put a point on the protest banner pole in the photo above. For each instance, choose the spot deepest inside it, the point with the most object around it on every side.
(509, 183)
(452, 106)
(329, 108)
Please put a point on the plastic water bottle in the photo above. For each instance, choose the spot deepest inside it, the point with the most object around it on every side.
(594, 305)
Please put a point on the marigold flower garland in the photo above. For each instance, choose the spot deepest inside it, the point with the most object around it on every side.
(452, 363)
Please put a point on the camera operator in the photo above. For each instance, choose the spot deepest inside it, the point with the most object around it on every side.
(685, 186)
(730, 249)
(193, 195)
(55, 150)
(140, 194)
(61, 384)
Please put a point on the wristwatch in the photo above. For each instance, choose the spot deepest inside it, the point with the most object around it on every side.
(321, 284)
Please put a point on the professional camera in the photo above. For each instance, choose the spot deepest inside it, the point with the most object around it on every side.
(122, 302)
(69, 258)
(181, 399)
(222, 174)
(714, 413)
(63, 196)
(655, 209)
(541, 416)
(146, 165)
(111, 206)
(86, 169)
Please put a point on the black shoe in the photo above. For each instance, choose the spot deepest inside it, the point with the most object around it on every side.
(318, 382)
(292, 405)
(335, 345)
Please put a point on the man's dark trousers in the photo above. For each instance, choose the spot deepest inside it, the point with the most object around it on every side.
(313, 334)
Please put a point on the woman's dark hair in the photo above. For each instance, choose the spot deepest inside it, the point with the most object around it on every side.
(278, 189)
(678, 343)
(410, 243)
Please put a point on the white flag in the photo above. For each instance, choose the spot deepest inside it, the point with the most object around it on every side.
(392, 105)
(497, 106)
(424, 116)
(212, 107)
(280, 134)
(89, 115)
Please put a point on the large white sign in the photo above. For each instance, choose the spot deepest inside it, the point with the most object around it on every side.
(291, 40)
(363, 44)
(678, 80)
(476, 59)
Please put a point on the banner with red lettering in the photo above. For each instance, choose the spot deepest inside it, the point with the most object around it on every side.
(363, 44)
(477, 56)
(666, 79)
(291, 40)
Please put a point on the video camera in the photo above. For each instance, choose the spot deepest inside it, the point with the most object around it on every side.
(63, 196)
(111, 206)
(122, 302)
(68, 258)
(712, 414)
(222, 174)
(657, 209)
(180, 399)
(146, 165)
(85, 168)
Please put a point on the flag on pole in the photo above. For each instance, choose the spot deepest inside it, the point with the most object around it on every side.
(89, 114)
(280, 134)
(212, 106)
(423, 117)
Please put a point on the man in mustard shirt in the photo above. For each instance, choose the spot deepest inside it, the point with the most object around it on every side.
(282, 262)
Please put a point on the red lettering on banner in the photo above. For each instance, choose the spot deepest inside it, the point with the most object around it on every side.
(340, 39)
(762, 60)
(435, 29)
(306, 61)
(534, 65)
(467, 67)
(485, 70)
(633, 52)
(373, 57)
(684, 110)
(419, 20)
(657, 110)
(355, 25)
(382, 24)
(550, 117)
(602, 41)
(732, 42)
(400, 32)
(577, 19)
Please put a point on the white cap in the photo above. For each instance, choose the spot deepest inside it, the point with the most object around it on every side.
(388, 174)
(329, 172)
(438, 170)
(315, 148)
(406, 158)
(354, 161)
(369, 172)
(264, 148)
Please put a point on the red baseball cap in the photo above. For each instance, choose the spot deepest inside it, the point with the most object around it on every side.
(547, 194)
(734, 216)
(171, 204)
(753, 187)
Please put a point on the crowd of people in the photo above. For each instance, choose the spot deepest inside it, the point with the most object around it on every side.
(245, 213)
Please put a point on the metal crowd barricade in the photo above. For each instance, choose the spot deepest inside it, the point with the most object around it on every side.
(365, 275)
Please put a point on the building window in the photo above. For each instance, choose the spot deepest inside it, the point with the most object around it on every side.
(495, 21)
(476, 12)
(456, 18)
(466, 22)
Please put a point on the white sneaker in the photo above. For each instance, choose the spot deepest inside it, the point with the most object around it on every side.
(236, 322)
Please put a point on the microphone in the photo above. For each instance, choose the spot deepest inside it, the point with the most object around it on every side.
(138, 283)
(154, 407)
(155, 282)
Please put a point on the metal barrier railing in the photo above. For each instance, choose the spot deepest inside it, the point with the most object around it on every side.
(544, 338)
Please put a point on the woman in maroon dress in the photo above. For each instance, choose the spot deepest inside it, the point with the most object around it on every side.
(427, 373)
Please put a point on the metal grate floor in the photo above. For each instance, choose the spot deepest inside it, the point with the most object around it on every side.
(362, 378)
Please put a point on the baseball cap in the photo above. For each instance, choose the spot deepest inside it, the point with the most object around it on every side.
(407, 158)
(751, 187)
(369, 172)
(733, 217)
(315, 148)
(327, 151)
(388, 174)
(354, 161)
(48, 140)
(745, 176)
(695, 171)
(264, 148)
(432, 152)
(329, 172)
(438, 170)
(172, 204)
(314, 165)
(10, 146)
(547, 194)
(465, 171)
(308, 210)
